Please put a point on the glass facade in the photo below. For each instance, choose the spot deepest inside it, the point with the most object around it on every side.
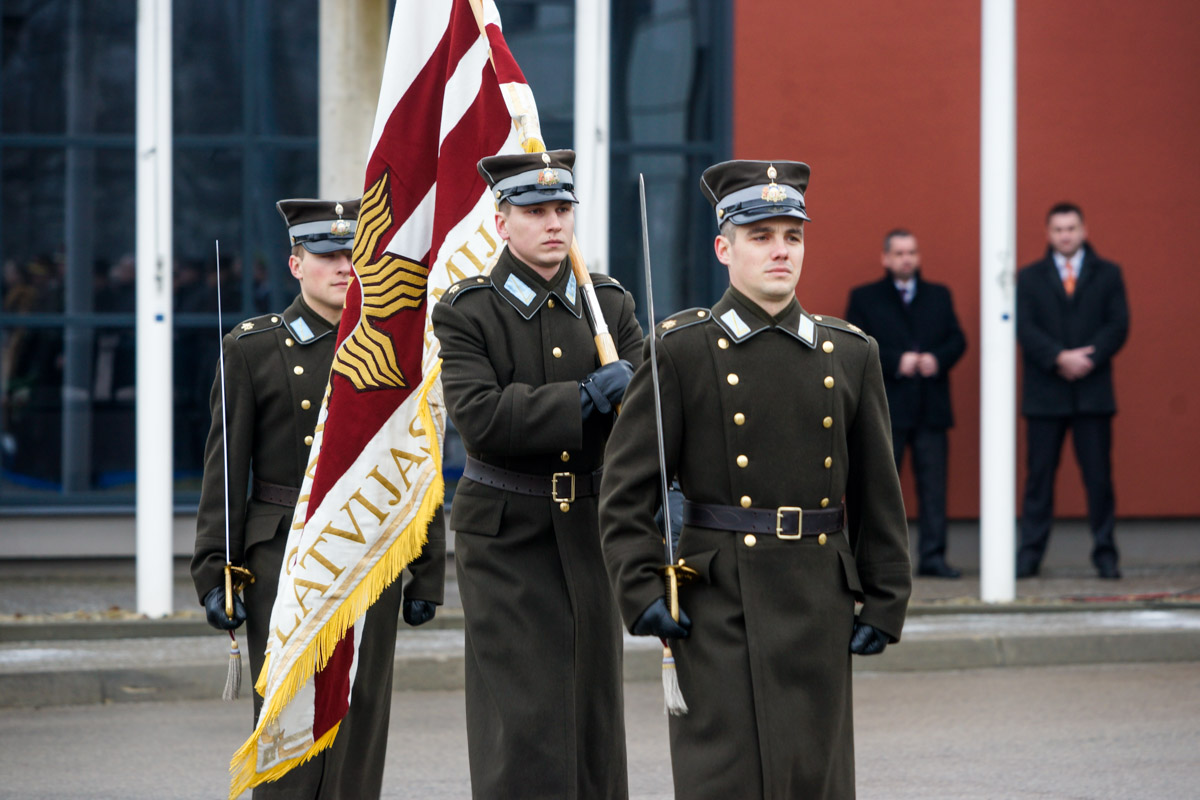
(245, 123)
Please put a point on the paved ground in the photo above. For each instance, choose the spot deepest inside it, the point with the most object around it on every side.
(1114, 731)
(1160, 558)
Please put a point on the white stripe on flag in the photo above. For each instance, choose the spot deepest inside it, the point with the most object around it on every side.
(410, 46)
(463, 87)
(413, 238)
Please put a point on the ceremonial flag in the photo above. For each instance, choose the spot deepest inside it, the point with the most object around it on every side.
(451, 95)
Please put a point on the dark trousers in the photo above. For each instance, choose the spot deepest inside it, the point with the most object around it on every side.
(1092, 435)
(929, 465)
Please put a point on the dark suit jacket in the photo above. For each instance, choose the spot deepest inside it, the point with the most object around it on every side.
(927, 325)
(1049, 322)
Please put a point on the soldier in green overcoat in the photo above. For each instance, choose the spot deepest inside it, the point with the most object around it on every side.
(276, 370)
(526, 391)
(775, 422)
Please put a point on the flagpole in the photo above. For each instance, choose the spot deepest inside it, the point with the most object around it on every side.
(605, 346)
(997, 284)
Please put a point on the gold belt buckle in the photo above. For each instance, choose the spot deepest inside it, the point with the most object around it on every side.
(779, 512)
(554, 487)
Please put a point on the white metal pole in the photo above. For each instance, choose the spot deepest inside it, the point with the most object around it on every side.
(154, 321)
(592, 33)
(997, 310)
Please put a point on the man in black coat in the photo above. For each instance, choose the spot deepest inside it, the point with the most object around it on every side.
(1072, 318)
(525, 389)
(919, 339)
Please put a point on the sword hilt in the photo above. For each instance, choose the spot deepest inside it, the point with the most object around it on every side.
(676, 575)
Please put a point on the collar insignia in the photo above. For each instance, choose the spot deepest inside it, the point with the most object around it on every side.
(807, 329)
(772, 192)
(519, 289)
(571, 286)
(736, 324)
(301, 329)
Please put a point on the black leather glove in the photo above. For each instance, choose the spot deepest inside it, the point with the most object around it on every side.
(418, 612)
(866, 640)
(656, 621)
(604, 388)
(214, 609)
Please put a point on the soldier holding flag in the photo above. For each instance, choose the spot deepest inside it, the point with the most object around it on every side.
(775, 422)
(526, 391)
(276, 368)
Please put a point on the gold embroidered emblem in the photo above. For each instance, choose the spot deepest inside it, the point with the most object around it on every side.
(247, 326)
(668, 324)
(368, 358)
(773, 192)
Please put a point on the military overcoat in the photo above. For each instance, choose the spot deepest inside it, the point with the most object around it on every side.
(762, 412)
(276, 370)
(543, 637)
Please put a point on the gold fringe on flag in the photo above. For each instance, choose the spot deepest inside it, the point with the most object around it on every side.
(408, 545)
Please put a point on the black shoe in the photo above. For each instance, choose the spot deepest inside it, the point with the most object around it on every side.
(1108, 571)
(938, 569)
(1028, 570)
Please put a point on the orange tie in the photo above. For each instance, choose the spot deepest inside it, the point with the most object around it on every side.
(1069, 279)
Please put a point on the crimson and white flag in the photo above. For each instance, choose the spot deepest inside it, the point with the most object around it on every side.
(451, 95)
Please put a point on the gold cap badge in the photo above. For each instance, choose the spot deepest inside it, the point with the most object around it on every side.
(340, 227)
(773, 192)
(547, 177)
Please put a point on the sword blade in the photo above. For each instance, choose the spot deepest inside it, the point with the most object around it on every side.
(224, 437)
(658, 423)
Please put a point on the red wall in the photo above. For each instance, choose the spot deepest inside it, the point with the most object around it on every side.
(881, 98)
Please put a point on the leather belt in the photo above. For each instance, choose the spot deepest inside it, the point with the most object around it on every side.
(786, 522)
(563, 487)
(275, 494)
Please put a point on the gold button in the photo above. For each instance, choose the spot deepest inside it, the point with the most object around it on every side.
(305, 405)
(479, 280)
(828, 462)
(742, 461)
(556, 352)
(681, 562)
(824, 502)
(274, 319)
(732, 378)
(701, 314)
(827, 422)
(299, 370)
(822, 539)
(750, 540)
(818, 317)
(827, 347)
(739, 418)
(288, 342)
(565, 456)
(745, 501)
(308, 440)
(564, 507)
(550, 303)
(723, 343)
(828, 381)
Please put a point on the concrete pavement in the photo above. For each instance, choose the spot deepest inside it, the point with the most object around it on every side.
(69, 634)
(1115, 730)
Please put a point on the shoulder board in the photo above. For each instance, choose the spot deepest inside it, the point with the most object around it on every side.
(457, 290)
(683, 319)
(839, 324)
(608, 281)
(257, 325)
